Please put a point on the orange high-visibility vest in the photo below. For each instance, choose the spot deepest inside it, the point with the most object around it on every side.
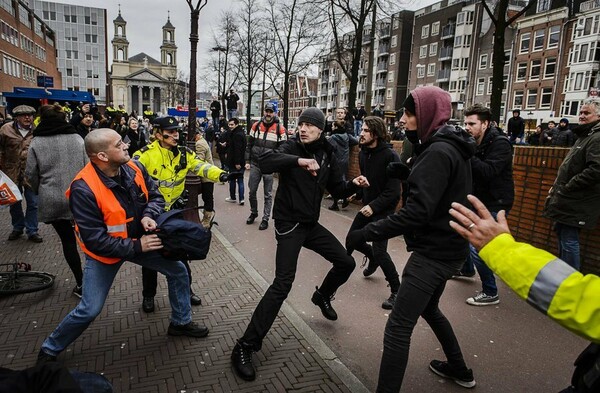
(115, 217)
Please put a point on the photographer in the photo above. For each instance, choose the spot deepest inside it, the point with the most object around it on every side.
(168, 161)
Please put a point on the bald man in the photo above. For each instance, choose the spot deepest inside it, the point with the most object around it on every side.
(114, 202)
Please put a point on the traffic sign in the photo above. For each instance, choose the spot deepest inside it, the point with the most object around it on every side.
(45, 81)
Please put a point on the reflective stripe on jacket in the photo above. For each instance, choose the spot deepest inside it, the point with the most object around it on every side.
(547, 283)
(115, 217)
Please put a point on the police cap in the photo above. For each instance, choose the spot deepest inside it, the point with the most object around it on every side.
(166, 123)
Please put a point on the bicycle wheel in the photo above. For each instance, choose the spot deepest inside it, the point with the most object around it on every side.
(24, 282)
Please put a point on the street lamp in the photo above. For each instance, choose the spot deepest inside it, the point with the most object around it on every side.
(219, 49)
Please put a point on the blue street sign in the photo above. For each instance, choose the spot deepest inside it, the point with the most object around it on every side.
(275, 103)
(45, 81)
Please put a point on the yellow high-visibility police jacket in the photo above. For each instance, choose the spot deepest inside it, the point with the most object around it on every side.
(548, 284)
(163, 166)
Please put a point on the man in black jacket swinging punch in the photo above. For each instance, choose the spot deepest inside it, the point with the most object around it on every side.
(307, 166)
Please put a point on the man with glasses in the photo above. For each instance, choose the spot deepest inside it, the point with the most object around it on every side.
(265, 135)
(15, 138)
(167, 164)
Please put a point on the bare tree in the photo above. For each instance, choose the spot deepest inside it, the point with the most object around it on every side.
(249, 49)
(224, 40)
(294, 42)
(501, 22)
(176, 89)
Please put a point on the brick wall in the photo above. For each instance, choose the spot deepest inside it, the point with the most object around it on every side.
(534, 171)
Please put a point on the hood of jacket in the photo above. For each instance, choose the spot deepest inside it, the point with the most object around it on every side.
(48, 127)
(433, 108)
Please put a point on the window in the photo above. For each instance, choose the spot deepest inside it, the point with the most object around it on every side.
(24, 16)
(546, 98)
(553, 36)
(535, 69)
(531, 98)
(521, 72)
(458, 41)
(435, 28)
(396, 23)
(7, 6)
(550, 67)
(480, 86)
(525, 40)
(483, 61)
(423, 51)
(467, 41)
(431, 69)
(392, 59)
(489, 87)
(538, 40)
(388, 94)
(390, 77)
(433, 49)
(394, 41)
(420, 71)
(425, 31)
(11, 66)
(464, 63)
(455, 64)
(543, 5)
(460, 18)
(570, 108)
(69, 72)
(518, 100)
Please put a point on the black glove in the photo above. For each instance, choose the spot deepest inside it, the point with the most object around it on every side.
(397, 170)
(223, 177)
(353, 240)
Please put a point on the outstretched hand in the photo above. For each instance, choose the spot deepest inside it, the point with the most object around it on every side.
(479, 229)
(223, 177)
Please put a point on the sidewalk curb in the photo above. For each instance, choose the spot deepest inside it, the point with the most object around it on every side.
(328, 356)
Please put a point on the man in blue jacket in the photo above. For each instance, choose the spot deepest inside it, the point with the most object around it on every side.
(114, 203)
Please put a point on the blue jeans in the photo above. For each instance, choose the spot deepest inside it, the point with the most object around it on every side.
(231, 113)
(357, 127)
(29, 221)
(253, 181)
(98, 278)
(488, 281)
(568, 244)
(240, 185)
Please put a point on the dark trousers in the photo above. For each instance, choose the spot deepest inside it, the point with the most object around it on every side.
(150, 280)
(66, 233)
(208, 199)
(377, 252)
(423, 282)
(291, 237)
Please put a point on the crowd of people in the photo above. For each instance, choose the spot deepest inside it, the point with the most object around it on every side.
(121, 174)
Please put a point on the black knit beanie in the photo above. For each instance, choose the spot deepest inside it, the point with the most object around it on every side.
(313, 116)
(409, 104)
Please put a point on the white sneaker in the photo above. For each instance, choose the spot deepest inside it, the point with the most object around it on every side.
(241, 202)
(230, 200)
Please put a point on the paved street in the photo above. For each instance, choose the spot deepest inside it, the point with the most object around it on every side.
(510, 347)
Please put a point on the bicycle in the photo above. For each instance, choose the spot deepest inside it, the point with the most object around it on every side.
(22, 280)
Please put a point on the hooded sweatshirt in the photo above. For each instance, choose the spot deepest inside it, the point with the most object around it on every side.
(441, 174)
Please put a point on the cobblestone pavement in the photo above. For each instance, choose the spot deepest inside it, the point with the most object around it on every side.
(131, 348)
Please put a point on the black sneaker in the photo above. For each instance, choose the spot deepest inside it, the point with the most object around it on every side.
(388, 304)
(251, 219)
(371, 267)
(35, 238)
(195, 299)
(324, 304)
(191, 329)
(345, 203)
(241, 359)
(463, 378)
(148, 304)
(264, 224)
(78, 291)
(14, 235)
(44, 357)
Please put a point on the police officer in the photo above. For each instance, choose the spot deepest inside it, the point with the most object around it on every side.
(168, 164)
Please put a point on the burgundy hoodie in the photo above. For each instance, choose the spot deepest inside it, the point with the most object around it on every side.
(433, 108)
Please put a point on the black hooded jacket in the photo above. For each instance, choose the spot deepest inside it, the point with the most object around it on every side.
(299, 193)
(383, 193)
(440, 175)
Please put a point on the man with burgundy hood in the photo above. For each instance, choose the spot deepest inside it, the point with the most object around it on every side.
(440, 175)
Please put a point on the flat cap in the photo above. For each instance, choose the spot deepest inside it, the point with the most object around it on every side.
(23, 110)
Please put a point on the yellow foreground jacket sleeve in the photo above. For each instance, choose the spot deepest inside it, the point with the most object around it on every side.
(547, 283)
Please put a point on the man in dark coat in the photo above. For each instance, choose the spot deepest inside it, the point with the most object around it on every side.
(515, 127)
(236, 151)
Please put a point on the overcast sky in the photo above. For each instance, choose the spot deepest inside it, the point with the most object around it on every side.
(145, 19)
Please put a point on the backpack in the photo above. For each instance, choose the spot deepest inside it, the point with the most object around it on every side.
(182, 239)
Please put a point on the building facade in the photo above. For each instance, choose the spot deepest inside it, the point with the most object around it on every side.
(81, 34)
(27, 48)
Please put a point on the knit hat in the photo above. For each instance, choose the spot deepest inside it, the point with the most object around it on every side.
(313, 116)
(564, 120)
(409, 104)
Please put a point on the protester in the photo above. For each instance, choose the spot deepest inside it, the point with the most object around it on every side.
(379, 200)
(549, 134)
(207, 187)
(573, 201)
(516, 127)
(114, 202)
(232, 99)
(535, 138)
(55, 156)
(341, 141)
(564, 136)
(549, 284)
(307, 166)
(441, 174)
(236, 150)
(134, 136)
(15, 138)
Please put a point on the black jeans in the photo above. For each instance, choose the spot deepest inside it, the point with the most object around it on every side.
(291, 237)
(150, 280)
(208, 199)
(66, 233)
(423, 282)
(377, 253)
